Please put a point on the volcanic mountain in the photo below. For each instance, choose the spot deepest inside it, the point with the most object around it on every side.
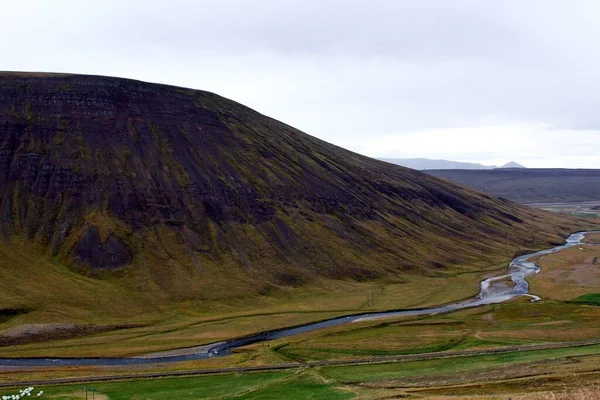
(189, 195)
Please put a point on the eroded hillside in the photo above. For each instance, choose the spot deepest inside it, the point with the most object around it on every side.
(190, 192)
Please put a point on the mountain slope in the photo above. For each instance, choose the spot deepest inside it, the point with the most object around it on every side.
(184, 194)
(531, 185)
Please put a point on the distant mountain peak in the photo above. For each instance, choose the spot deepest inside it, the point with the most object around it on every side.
(425, 164)
(428, 164)
(513, 164)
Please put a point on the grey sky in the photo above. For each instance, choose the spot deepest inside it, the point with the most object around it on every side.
(470, 80)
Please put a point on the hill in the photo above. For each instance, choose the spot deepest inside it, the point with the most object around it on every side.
(425, 164)
(138, 193)
(512, 164)
(529, 185)
(428, 164)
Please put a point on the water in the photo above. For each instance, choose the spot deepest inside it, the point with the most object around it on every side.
(492, 290)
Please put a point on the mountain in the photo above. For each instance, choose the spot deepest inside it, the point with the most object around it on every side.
(530, 185)
(180, 194)
(512, 164)
(425, 163)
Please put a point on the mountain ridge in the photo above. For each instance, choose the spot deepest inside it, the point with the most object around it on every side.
(424, 164)
(185, 191)
(512, 164)
(530, 185)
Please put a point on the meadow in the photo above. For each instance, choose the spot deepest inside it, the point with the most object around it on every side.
(569, 311)
(520, 375)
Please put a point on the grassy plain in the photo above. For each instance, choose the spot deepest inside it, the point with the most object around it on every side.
(515, 323)
(517, 375)
(266, 385)
(590, 298)
(570, 273)
(587, 210)
(568, 311)
(269, 385)
(569, 286)
(593, 238)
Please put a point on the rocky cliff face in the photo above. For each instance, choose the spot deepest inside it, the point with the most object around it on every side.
(94, 166)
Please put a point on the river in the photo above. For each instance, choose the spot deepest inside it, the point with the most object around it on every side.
(496, 289)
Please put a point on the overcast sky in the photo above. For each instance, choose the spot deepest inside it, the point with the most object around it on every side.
(470, 80)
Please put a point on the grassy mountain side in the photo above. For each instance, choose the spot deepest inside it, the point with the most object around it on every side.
(184, 195)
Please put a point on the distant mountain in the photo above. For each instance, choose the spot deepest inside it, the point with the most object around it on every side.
(512, 164)
(530, 185)
(428, 164)
(425, 163)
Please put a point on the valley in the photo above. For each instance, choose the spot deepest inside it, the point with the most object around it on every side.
(554, 323)
(139, 219)
(531, 185)
(494, 290)
(585, 209)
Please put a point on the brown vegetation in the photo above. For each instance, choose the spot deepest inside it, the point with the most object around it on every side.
(31, 333)
(570, 273)
(587, 392)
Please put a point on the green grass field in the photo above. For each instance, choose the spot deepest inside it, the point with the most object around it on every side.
(370, 381)
(569, 311)
(459, 365)
(271, 385)
(519, 322)
(591, 298)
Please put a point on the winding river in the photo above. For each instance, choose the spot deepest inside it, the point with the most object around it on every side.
(492, 290)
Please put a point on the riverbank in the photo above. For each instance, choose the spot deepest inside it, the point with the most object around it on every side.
(491, 293)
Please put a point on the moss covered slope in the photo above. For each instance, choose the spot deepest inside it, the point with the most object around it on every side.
(187, 195)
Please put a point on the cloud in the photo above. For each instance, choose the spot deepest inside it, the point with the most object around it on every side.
(532, 145)
(347, 71)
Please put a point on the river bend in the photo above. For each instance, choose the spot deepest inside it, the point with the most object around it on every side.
(492, 290)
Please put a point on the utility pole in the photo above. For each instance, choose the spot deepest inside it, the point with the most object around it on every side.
(370, 299)
(268, 336)
(92, 390)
